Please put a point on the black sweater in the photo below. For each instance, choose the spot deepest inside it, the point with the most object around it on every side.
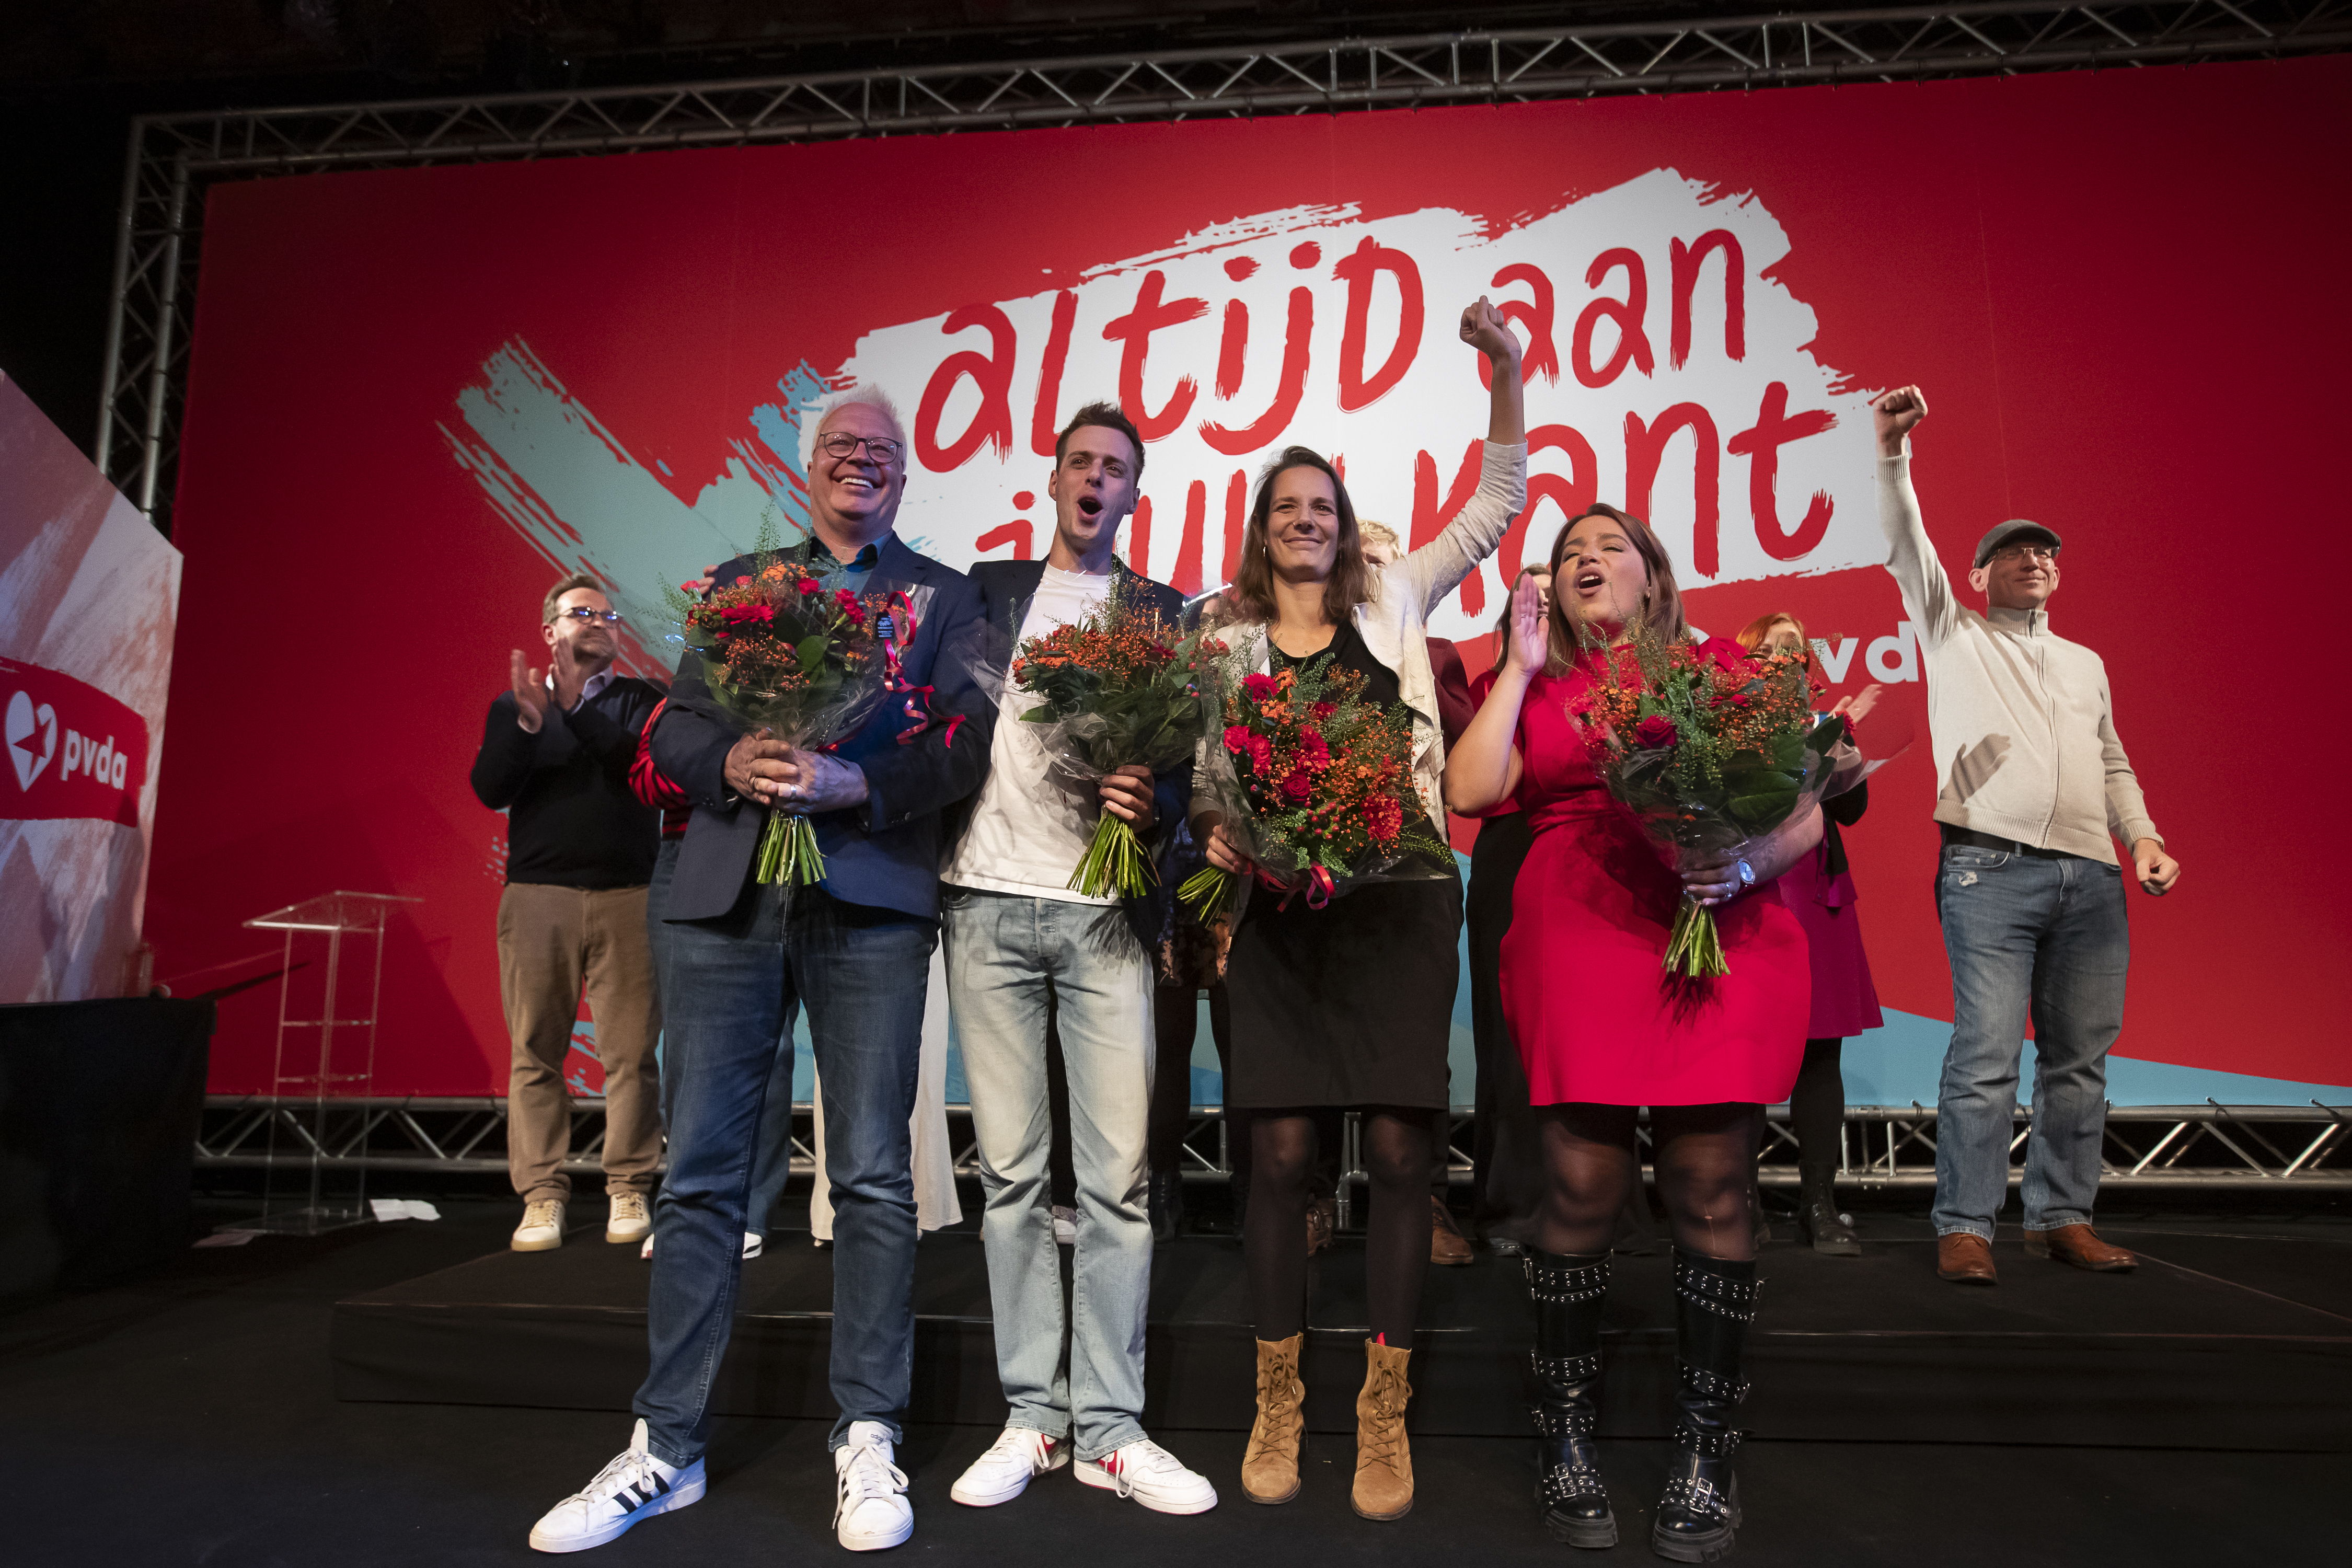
(572, 819)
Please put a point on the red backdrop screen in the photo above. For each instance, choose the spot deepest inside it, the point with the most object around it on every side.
(418, 396)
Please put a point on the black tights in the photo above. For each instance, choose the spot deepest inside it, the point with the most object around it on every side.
(1705, 1157)
(1396, 1242)
(1817, 1105)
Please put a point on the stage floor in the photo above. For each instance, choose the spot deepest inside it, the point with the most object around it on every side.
(2221, 1339)
(190, 1418)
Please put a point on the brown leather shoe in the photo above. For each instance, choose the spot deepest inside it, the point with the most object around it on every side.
(1448, 1247)
(2080, 1246)
(1322, 1223)
(1965, 1259)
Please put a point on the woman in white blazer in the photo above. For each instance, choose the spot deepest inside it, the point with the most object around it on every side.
(1349, 1005)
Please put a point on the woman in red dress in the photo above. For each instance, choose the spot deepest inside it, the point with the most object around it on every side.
(1604, 1031)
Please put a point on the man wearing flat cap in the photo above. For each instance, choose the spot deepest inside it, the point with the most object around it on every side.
(2035, 791)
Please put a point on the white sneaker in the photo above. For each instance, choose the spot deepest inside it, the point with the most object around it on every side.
(1003, 1472)
(752, 1243)
(635, 1486)
(870, 1512)
(1152, 1477)
(629, 1220)
(542, 1229)
(1066, 1225)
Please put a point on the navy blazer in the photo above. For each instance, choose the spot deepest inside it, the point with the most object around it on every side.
(886, 852)
(1005, 589)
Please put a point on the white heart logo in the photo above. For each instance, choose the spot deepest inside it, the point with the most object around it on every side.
(22, 720)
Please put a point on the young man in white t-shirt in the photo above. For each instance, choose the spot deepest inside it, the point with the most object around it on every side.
(1023, 947)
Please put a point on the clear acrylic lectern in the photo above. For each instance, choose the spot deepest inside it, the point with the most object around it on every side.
(327, 1000)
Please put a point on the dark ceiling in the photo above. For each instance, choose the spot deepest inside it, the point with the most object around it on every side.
(74, 72)
(398, 47)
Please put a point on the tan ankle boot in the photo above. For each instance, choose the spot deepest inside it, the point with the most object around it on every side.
(1383, 1458)
(1270, 1464)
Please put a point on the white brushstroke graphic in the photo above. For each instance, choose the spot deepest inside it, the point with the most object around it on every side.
(977, 481)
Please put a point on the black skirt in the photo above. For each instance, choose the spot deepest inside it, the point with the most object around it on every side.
(1350, 1005)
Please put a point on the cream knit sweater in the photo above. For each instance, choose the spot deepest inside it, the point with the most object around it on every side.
(2024, 731)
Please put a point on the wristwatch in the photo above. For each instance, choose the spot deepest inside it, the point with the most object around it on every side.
(1747, 876)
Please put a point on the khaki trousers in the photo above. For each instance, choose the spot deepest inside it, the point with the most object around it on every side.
(551, 941)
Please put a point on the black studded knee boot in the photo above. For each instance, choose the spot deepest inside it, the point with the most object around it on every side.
(1715, 1300)
(1569, 1290)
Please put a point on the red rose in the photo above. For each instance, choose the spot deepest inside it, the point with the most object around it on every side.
(1261, 753)
(1237, 737)
(1655, 733)
(1296, 786)
(1260, 687)
(810, 585)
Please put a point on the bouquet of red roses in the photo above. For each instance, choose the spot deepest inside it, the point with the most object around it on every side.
(779, 653)
(1119, 689)
(1710, 751)
(1317, 786)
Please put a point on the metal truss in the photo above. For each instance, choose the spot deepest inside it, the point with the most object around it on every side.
(173, 159)
(2209, 1146)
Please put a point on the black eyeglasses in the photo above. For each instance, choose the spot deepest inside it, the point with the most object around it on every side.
(587, 616)
(2026, 552)
(841, 444)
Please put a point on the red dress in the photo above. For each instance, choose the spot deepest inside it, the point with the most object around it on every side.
(1845, 1001)
(1595, 1017)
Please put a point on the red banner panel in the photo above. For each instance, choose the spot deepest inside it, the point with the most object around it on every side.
(418, 397)
(73, 750)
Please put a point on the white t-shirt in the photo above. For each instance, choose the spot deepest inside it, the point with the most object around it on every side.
(1028, 832)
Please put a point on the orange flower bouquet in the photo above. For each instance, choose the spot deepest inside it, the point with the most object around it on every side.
(1117, 689)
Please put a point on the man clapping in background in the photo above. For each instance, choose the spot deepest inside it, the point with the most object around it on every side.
(555, 757)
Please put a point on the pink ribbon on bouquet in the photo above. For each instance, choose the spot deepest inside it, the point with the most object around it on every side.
(917, 704)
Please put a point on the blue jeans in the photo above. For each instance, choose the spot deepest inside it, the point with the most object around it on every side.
(2027, 937)
(1008, 958)
(772, 1167)
(733, 983)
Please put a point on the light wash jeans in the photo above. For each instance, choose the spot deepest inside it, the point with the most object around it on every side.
(2044, 938)
(1008, 959)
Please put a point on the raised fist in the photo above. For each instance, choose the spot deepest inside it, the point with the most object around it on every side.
(1895, 414)
(1483, 329)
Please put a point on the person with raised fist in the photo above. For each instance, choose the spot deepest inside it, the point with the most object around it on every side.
(1350, 1005)
(2034, 790)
